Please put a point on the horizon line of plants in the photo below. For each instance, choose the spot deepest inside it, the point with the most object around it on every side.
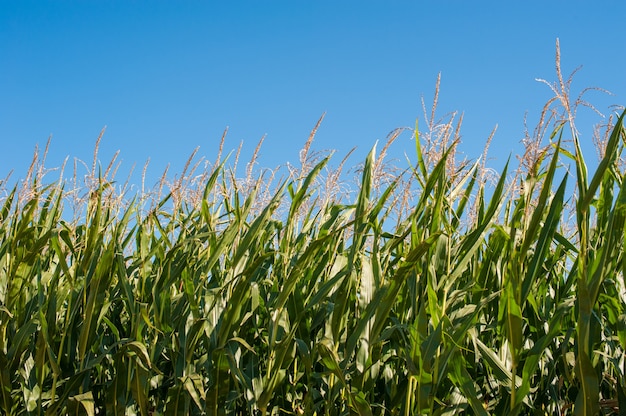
(427, 292)
(211, 310)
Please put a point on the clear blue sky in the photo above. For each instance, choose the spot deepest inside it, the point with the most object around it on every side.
(168, 76)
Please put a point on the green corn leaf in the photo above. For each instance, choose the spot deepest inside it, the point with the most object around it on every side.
(85, 401)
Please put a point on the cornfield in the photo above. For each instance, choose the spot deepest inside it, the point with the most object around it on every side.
(430, 290)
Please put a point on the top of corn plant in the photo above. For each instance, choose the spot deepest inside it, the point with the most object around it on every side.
(438, 288)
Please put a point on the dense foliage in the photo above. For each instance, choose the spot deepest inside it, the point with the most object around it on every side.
(485, 300)
(437, 289)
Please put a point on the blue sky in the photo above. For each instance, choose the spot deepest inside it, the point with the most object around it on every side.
(168, 76)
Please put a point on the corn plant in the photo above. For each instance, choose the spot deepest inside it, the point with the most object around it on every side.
(431, 293)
